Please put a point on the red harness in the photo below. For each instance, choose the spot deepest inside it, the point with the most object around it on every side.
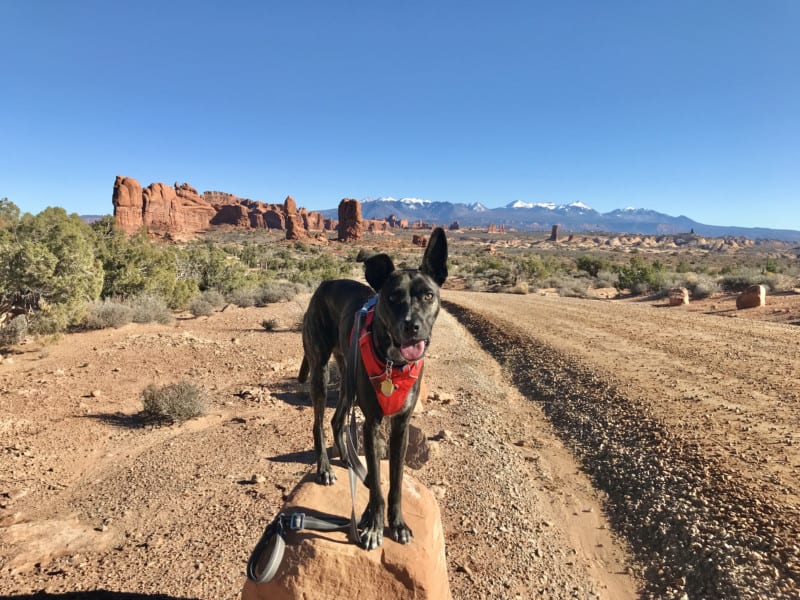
(391, 384)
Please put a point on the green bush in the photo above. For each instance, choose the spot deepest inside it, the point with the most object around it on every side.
(214, 298)
(173, 403)
(591, 265)
(108, 313)
(245, 297)
(639, 276)
(49, 266)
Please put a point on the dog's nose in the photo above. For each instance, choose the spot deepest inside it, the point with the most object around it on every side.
(412, 327)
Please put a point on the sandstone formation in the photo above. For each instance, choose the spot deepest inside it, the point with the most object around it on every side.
(350, 221)
(419, 240)
(319, 564)
(678, 296)
(179, 211)
(752, 297)
(294, 223)
(554, 234)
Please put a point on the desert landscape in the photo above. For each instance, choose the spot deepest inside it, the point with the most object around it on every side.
(579, 448)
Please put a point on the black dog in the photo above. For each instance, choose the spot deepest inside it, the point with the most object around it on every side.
(397, 334)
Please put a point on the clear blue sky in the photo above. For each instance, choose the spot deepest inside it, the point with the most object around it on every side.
(686, 107)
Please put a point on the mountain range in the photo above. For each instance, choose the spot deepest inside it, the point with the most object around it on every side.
(575, 217)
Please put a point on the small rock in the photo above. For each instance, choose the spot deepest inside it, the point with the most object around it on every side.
(256, 478)
(96, 393)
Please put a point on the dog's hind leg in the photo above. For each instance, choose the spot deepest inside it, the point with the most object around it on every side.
(317, 390)
(342, 407)
(398, 443)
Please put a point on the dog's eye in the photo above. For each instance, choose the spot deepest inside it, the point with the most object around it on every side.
(428, 297)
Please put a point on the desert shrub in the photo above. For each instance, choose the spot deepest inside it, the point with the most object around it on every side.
(108, 313)
(148, 308)
(606, 278)
(270, 324)
(278, 291)
(174, 402)
(521, 288)
(738, 280)
(14, 331)
(200, 307)
(700, 286)
(214, 298)
(245, 297)
(212, 268)
(571, 287)
(591, 265)
(639, 276)
(779, 282)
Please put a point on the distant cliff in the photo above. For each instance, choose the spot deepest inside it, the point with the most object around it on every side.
(179, 212)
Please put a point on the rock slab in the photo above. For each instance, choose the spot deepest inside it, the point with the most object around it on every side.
(322, 564)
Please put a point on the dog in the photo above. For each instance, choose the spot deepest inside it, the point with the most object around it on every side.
(399, 333)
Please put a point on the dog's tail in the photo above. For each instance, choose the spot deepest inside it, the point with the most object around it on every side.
(303, 375)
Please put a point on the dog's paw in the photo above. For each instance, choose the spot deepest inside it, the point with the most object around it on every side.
(327, 477)
(371, 538)
(371, 531)
(401, 534)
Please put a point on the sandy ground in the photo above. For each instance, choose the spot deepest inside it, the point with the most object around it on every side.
(585, 448)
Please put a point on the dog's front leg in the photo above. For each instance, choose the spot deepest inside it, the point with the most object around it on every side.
(372, 519)
(398, 442)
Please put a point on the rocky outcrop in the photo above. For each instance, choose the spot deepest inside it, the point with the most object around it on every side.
(678, 296)
(419, 240)
(128, 207)
(294, 223)
(179, 211)
(752, 297)
(320, 564)
(350, 220)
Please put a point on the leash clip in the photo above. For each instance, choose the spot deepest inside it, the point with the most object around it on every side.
(297, 521)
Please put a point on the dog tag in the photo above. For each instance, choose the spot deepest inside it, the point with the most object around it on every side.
(387, 387)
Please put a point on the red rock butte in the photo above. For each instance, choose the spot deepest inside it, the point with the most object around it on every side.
(179, 212)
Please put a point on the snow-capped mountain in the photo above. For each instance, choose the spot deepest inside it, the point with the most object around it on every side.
(541, 216)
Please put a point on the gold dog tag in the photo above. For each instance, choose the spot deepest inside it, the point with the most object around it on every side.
(387, 387)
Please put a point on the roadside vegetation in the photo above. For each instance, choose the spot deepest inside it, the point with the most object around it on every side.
(58, 273)
(629, 271)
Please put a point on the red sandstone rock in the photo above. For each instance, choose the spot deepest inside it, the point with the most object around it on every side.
(127, 201)
(350, 220)
(319, 564)
(678, 296)
(294, 223)
(180, 212)
(752, 297)
(419, 240)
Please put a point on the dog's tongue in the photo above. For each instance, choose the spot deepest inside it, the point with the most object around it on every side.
(413, 351)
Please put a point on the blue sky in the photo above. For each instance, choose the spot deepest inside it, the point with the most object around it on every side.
(686, 107)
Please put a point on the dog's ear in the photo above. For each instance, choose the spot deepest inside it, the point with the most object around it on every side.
(364, 254)
(434, 263)
(377, 269)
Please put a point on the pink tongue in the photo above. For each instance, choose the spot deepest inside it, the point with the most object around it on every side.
(413, 351)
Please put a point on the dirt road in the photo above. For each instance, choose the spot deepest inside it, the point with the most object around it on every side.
(684, 427)
(689, 422)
